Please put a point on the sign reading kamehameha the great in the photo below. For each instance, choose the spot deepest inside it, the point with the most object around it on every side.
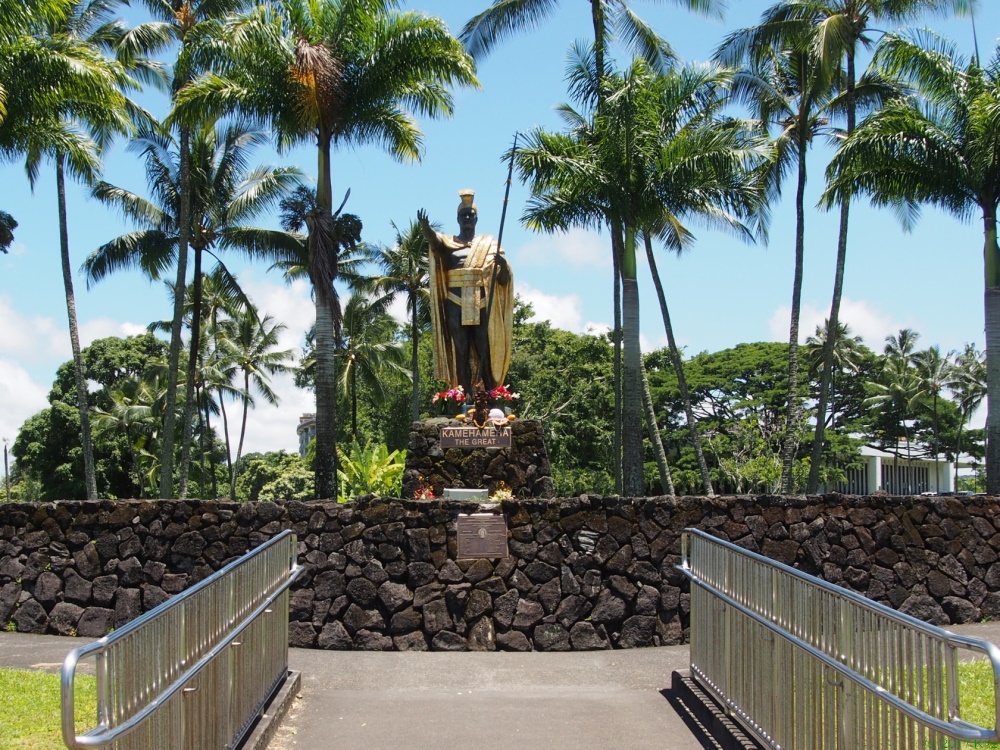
(476, 437)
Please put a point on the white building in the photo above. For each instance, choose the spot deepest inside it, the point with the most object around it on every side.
(897, 474)
(306, 432)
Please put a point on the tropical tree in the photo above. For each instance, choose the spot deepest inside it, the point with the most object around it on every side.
(250, 348)
(224, 193)
(968, 386)
(933, 372)
(941, 147)
(368, 352)
(834, 30)
(892, 395)
(901, 345)
(192, 27)
(849, 354)
(647, 159)
(404, 271)
(131, 414)
(610, 19)
(339, 73)
(67, 100)
(793, 94)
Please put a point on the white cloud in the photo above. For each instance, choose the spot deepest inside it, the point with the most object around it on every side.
(20, 397)
(649, 345)
(562, 311)
(272, 428)
(863, 319)
(575, 248)
(291, 304)
(42, 339)
(31, 339)
(100, 328)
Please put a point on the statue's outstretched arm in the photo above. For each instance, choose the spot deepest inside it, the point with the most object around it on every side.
(425, 225)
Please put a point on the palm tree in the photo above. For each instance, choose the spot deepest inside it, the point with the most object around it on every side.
(942, 147)
(130, 413)
(347, 72)
(968, 386)
(368, 351)
(833, 30)
(641, 162)
(249, 347)
(224, 193)
(404, 271)
(847, 354)
(791, 92)
(901, 345)
(933, 375)
(191, 25)
(65, 102)
(893, 393)
(666, 481)
(610, 19)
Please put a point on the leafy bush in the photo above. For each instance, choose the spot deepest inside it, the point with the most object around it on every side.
(370, 470)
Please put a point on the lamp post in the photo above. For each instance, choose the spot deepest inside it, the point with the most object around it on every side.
(6, 470)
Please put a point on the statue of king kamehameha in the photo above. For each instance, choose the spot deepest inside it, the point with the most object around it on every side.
(472, 303)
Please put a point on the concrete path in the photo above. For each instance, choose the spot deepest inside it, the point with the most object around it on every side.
(452, 701)
(486, 701)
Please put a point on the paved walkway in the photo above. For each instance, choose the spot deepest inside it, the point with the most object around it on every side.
(487, 701)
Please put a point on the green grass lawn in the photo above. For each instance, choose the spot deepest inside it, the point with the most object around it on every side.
(30, 709)
(975, 695)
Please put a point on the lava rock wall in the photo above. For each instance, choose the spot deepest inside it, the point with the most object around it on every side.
(583, 573)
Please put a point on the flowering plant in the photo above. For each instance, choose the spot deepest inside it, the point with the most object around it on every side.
(501, 493)
(502, 393)
(424, 492)
(452, 394)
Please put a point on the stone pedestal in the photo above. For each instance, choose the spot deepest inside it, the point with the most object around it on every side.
(524, 467)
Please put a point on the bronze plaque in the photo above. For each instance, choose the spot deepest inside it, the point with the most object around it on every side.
(473, 437)
(482, 535)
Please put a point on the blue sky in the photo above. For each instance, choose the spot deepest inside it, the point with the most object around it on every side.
(721, 293)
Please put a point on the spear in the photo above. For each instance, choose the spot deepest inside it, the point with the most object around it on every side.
(496, 266)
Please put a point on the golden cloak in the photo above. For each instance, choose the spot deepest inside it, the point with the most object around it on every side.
(474, 280)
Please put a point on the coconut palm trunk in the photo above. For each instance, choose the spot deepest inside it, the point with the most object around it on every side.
(838, 291)
(682, 385)
(616, 338)
(229, 447)
(323, 272)
(190, 397)
(793, 411)
(632, 455)
(180, 287)
(243, 430)
(666, 481)
(992, 312)
(414, 364)
(89, 473)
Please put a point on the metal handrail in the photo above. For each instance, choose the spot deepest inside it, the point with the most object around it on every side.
(202, 648)
(830, 645)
